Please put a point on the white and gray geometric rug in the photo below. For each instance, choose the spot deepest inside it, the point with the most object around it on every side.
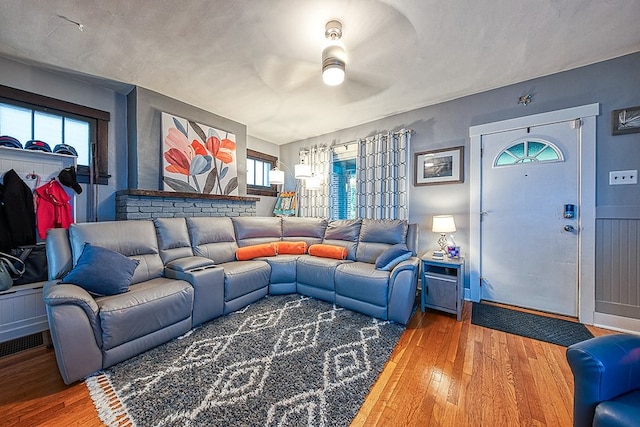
(282, 361)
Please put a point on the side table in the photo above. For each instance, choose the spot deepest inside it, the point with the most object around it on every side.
(442, 284)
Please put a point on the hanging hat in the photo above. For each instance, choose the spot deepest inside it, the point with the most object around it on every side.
(65, 149)
(67, 176)
(9, 141)
(36, 144)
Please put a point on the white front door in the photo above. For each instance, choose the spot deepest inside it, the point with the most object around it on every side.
(528, 249)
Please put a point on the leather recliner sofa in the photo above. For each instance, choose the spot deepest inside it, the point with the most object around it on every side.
(188, 274)
(606, 372)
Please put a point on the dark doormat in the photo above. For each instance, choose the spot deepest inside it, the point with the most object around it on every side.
(542, 328)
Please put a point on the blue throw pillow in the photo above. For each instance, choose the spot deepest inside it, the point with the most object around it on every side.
(101, 271)
(392, 256)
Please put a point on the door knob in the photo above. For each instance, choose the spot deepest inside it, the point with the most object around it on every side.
(569, 228)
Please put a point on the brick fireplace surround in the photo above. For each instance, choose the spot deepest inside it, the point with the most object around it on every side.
(149, 204)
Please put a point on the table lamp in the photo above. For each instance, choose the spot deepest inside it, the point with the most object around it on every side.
(442, 224)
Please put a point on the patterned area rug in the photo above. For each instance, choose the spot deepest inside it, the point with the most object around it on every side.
(284, 360)
(541, 328)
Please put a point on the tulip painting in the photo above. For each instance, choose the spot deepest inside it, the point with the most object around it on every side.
(198, 158)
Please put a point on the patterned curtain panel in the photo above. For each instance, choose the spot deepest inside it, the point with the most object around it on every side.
(315, 203)
(382, 178)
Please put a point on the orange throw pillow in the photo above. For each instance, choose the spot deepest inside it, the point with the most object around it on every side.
(328, 251)
(254, 251)
(291, 248)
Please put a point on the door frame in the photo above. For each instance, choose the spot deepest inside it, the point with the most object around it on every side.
(586, 197)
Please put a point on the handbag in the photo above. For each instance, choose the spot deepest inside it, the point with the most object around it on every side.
(34, 260)
(8, 270)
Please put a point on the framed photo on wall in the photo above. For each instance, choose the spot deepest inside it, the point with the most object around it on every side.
(625, 120)
(444, 166)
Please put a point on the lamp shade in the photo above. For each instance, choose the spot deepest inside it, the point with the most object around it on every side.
(443, 224)
(276, 176)
(313, 183)
(302, 171)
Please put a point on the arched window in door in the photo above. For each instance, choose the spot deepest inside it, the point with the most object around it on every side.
(528, 151)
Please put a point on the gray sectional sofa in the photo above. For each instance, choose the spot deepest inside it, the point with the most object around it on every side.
(188, 274)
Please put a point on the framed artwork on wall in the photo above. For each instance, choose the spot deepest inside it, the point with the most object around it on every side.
(197, 158)
(625, 120)
(444, 166)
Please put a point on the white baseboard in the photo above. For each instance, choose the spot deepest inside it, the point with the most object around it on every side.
(616, 323)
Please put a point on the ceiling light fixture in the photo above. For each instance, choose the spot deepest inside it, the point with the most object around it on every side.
(334, 55)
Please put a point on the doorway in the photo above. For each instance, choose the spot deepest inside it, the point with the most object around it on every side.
(530, 217)
(581, 238)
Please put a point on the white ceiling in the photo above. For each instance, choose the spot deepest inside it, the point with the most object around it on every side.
(258, 61)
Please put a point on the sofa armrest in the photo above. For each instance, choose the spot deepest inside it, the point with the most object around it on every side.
(208, 285)
(411, 264)
(55, 293)
(75, 329)
(402, 290)
(603, 368)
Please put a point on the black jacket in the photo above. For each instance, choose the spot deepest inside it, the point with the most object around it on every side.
(17, 215)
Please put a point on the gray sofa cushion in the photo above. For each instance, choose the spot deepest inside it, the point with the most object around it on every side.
(376, 235)
(257, 230)
(310, 230)
(243, 277)
(213, 238)
(361, 281)
(283, 268)
(173, 238)
(134, 239)
(147, 307)
(344, 232)
(317, 272)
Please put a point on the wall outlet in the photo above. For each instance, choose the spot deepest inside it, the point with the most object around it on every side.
(623, 177)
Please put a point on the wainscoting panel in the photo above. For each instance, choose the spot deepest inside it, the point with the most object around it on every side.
(618, 266)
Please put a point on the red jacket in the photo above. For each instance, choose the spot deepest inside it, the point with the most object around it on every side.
(52, 208)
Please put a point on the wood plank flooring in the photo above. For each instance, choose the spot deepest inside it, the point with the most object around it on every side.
(442, 373)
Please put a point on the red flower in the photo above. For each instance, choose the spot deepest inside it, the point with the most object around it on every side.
(178, 162)
(221, 150)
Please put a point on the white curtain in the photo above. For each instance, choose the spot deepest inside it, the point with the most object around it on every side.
(315, 203)
(382, 182)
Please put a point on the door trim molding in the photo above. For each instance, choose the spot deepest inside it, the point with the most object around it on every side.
(586, 196)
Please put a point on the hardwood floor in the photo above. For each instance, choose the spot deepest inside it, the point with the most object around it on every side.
(442, 373)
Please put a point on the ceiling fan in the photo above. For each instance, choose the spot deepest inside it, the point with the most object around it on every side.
(293, 76)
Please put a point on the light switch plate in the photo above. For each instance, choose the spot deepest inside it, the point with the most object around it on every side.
(623, 177)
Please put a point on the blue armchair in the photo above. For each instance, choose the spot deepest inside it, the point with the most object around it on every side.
(606, 372)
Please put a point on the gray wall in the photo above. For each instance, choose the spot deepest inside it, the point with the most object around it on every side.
(145, 142)
(71, 88)
(265, 206)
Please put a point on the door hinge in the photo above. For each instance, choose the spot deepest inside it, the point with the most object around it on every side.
(576, 124)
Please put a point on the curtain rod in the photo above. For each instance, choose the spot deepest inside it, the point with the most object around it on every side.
(343, 144)
(356, 141)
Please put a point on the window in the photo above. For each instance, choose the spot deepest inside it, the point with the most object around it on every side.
(343, 189)
(25, 116)
(258, 167)
(528, 151)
